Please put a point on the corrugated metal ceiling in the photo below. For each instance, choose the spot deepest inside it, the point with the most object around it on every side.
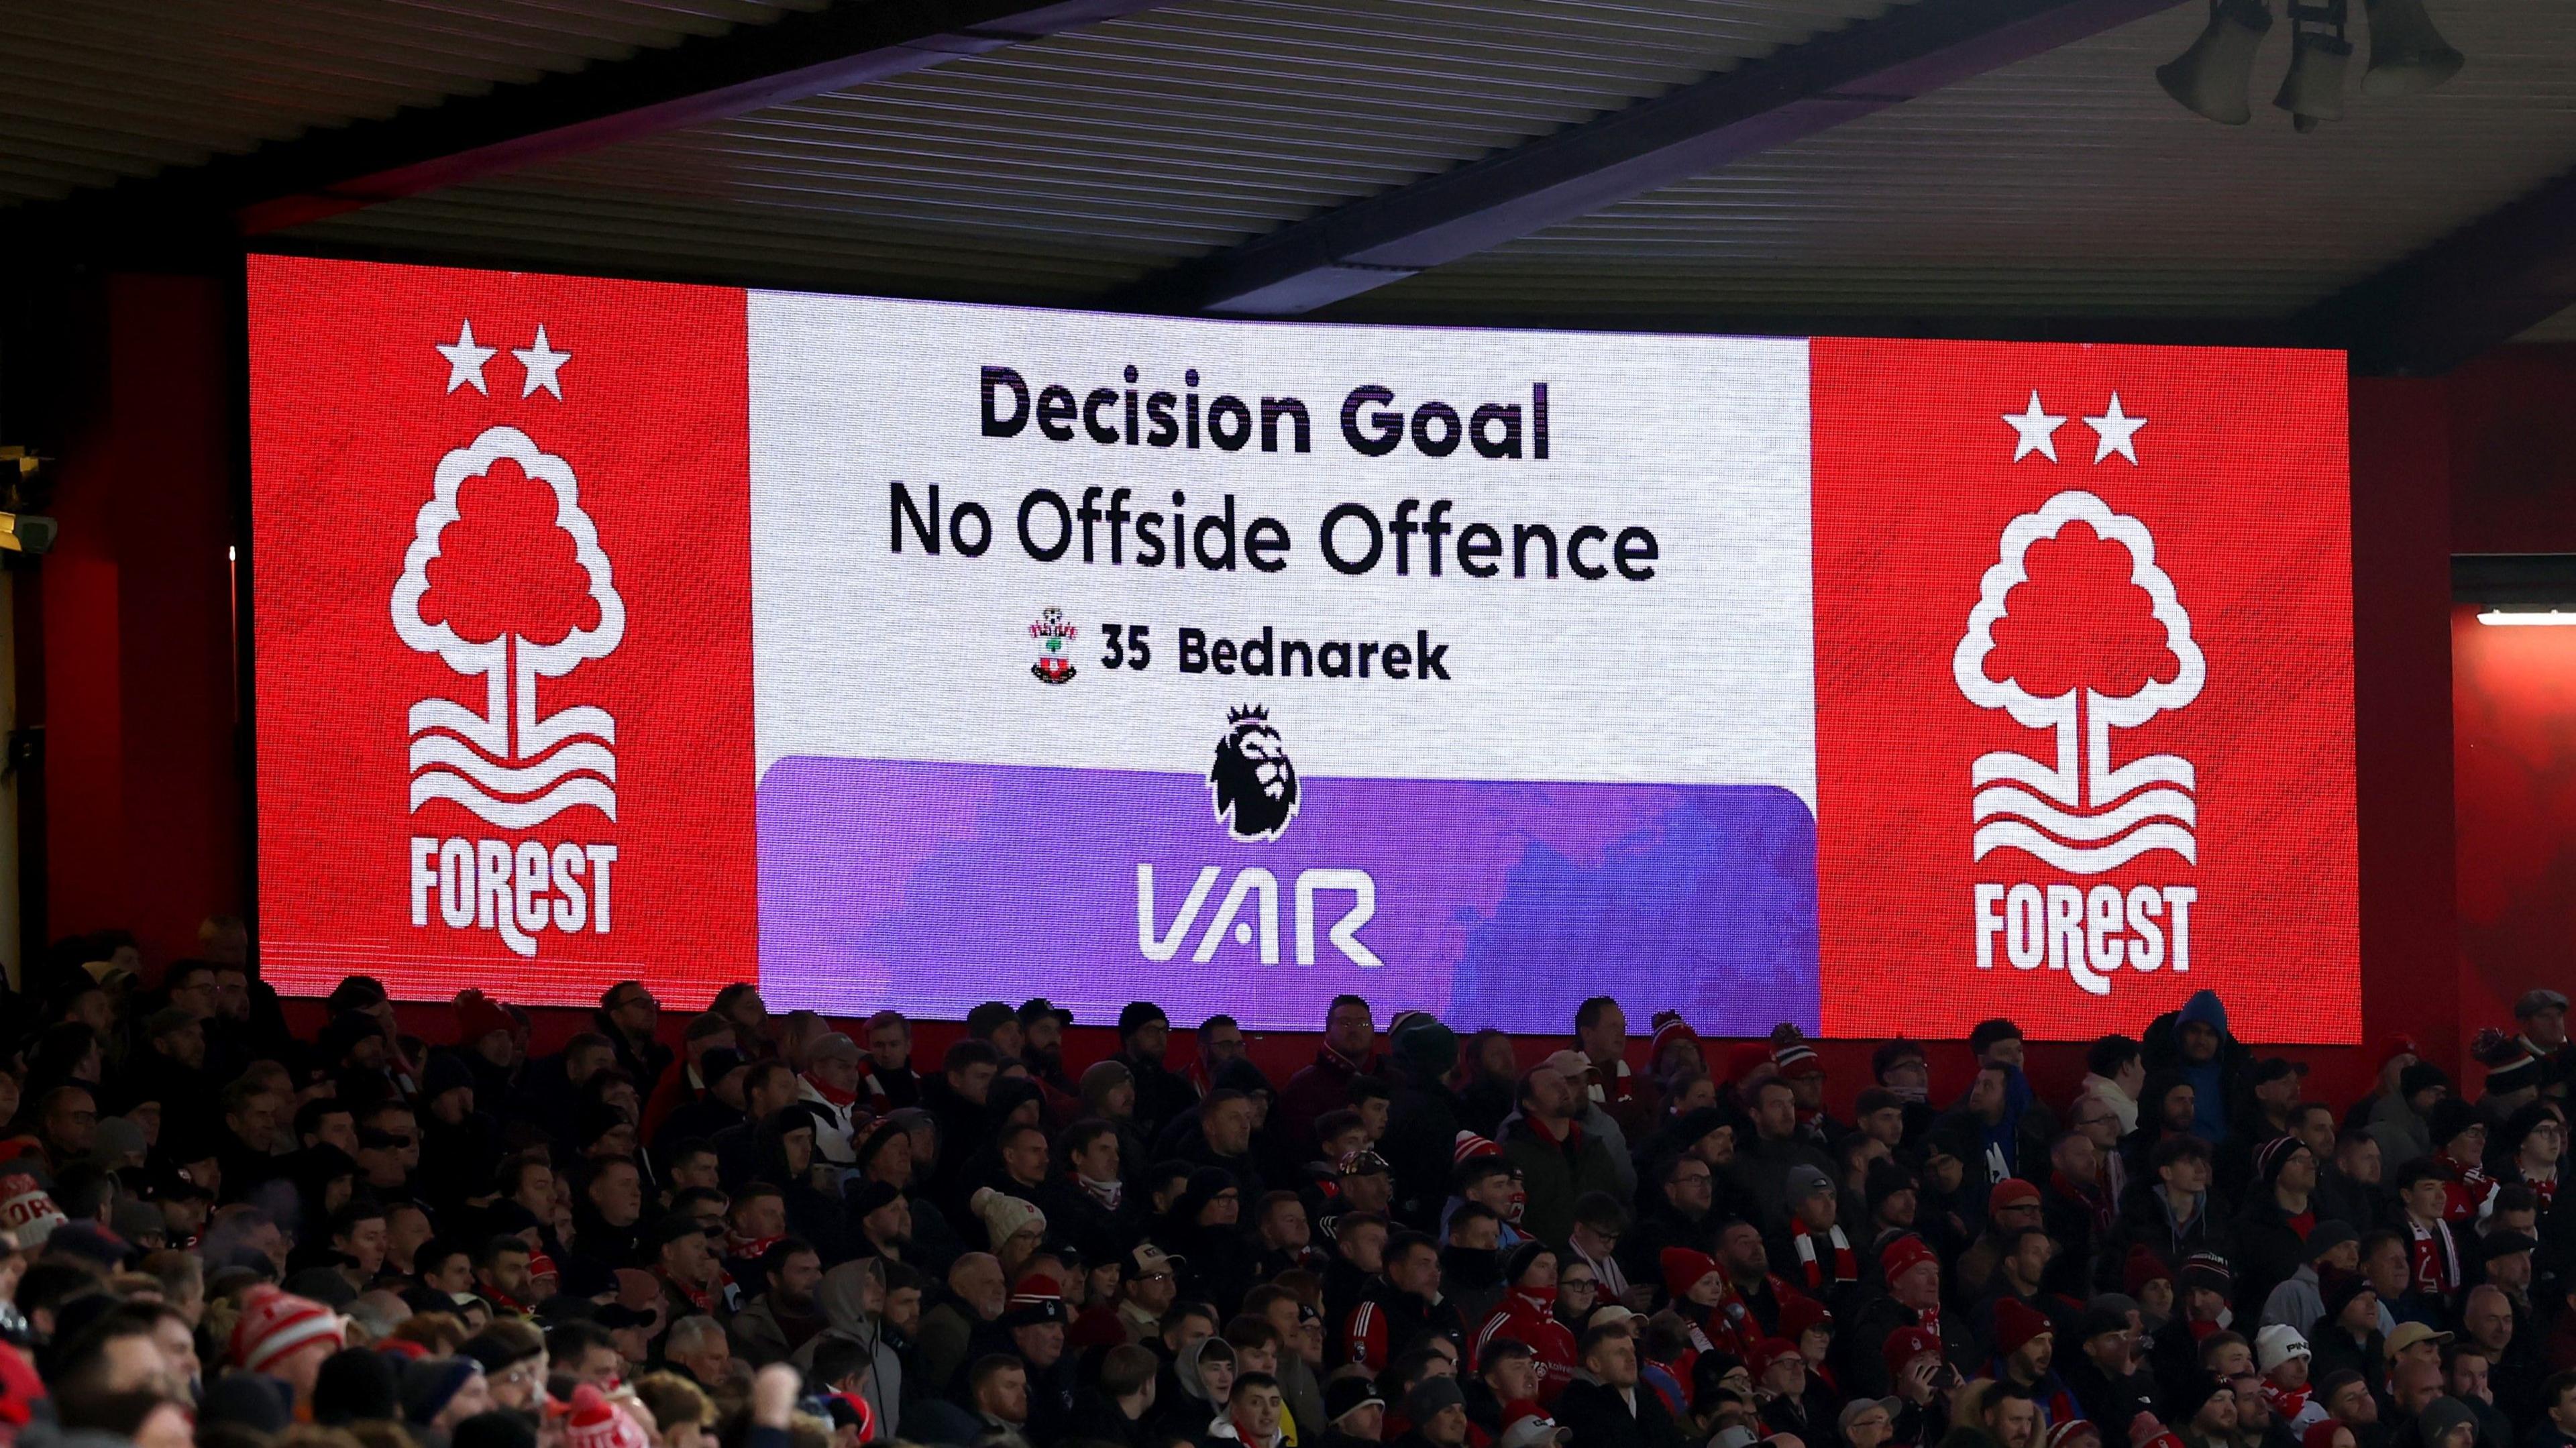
(1057, 170)
(1138, 141)
(104, 89)
(2069, 184)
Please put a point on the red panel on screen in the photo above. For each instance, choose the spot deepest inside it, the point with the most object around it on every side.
(2083, 688)
(503, 631)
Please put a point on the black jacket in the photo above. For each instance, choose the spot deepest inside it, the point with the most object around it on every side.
(1421, 1143)
(2265, 1250)
(1161, 1093)
(1096, 1419)
(645, 1063)
(2108, 1401)
(1860, 1370)
(1601, 1418)
(2146, 1221)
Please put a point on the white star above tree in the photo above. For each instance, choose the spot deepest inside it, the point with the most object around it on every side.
(542, 362)
(465, 359)
(2033, 431)
(2117, 433)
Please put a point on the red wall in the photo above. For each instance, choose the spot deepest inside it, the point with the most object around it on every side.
(2514, 713)
(2512, 443)
(146, 802)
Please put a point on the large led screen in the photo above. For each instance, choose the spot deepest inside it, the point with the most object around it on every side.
(911, 655)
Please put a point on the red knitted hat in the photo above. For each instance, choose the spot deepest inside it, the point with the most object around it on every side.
(2072, 1432)
(1671, 1028)
(274, 1323)
(1905, 1345)
(1799, 1312)
(1470, 1146)
(2011, 1192)
(2016, 1323)
(478, 1016)
(594, 1422)
(1759, 1357)
(1683, 1268)
(1900, 1256)
(2143, 1267)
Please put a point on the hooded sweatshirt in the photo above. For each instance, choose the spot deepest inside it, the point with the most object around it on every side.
(841, 1296)
(2209, 1078)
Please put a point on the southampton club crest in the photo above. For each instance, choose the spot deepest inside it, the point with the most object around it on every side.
(1053, 633)
(1253, 784)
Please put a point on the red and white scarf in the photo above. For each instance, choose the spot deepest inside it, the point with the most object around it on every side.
(829, 1092)
(2545, 1188)
(2287, 1403)
(2435, 1258)
(1613, 1083)
(1846, 1265)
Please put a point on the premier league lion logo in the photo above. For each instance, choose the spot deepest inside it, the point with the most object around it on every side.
(1253, 783)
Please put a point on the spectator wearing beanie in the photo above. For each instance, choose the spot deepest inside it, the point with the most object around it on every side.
(1804, 1070)
(2402, 1122)
(1144, 1035)
(440, 1392)
(1422, 1120)
(2459, 1134)
(1527, 1315)
(1903, 1071)
(707, 1031)
(2025, 1348)
(2107, 1366)
(487, 1046)
(1816, 1252)
(2268, 1241)
(2513, 1076)
(357, 1385)
(2012, 1206)
(460, 1143)
(1911, 1274)
(2299, 1299)
(285, 1337)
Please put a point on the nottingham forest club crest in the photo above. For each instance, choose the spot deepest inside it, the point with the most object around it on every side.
(1055, 658)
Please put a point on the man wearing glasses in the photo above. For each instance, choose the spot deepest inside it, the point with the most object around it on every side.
(627, 1015)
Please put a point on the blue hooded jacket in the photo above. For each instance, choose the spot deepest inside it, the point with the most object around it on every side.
(2208, 1079)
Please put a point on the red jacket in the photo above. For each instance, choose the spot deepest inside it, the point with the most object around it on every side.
(1530, 1318)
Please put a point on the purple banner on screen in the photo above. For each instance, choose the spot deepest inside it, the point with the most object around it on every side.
(932, 887)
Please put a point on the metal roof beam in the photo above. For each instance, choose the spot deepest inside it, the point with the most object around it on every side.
(1912, 50)
(2479, 287)
(705, 78)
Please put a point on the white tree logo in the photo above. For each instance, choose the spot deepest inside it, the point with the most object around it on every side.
(2070, 664)
(510, 765)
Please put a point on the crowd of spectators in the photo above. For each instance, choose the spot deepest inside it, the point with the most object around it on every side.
(764, 1231)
